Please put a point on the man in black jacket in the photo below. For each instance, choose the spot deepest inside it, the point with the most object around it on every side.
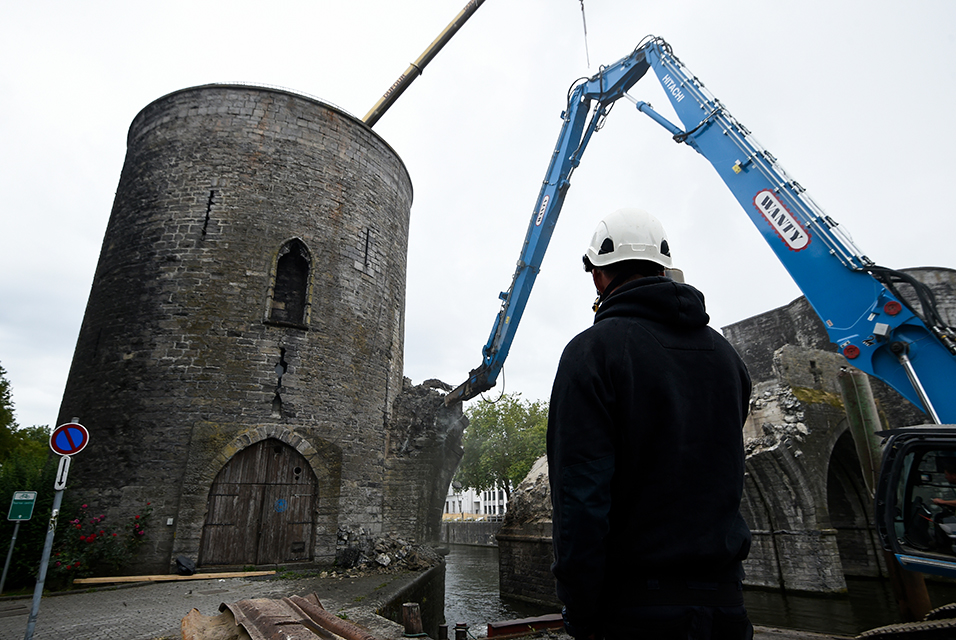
(645, 454)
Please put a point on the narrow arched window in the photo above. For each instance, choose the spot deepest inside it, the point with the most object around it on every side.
(290, 291)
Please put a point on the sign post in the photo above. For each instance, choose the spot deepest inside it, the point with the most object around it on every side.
(66, 440)
(21, 508)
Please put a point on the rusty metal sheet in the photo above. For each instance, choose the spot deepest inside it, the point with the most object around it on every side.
(294, 618)
(312, 608)
(265, 619)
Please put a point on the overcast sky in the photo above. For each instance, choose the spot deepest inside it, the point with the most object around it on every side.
(854, 98)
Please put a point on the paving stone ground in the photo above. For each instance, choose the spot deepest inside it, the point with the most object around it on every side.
(151, 611)
(154, 611)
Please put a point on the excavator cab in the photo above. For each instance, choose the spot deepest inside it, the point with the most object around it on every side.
(916, 498)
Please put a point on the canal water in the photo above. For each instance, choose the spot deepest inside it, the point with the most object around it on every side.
(471, 596)
(471, 590)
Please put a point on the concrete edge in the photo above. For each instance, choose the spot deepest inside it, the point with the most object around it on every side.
(370, 613)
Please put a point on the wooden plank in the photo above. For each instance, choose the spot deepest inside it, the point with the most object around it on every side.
(524, 626)
(171, 577)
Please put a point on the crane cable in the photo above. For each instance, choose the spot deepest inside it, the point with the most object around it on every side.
(585, 23)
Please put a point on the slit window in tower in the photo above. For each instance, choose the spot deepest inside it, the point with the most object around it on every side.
(291, 284)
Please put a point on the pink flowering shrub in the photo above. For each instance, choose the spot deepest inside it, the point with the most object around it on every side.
(88, 546)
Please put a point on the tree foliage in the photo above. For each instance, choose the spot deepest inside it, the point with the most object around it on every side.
(25, 465)
(14, 441)
(8, 426)
(501, 442)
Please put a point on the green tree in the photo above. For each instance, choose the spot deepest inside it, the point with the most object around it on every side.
(501, 442)
(16, 443)
(8, 425)
(25, 465)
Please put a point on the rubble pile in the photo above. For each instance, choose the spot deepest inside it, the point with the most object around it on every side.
(531, 500)
(362, 551)
(781, 418)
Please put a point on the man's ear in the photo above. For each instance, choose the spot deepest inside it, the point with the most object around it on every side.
(601, 280)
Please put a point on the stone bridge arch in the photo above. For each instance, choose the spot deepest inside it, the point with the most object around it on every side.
(851, 513)
(804, 496)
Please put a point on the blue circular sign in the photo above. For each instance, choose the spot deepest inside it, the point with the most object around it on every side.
(280, 505)
(69, 439)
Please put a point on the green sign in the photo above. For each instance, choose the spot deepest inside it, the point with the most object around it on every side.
(21, 507)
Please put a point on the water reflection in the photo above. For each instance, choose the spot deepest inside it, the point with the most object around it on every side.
(867, 604)
(471, 590)
(471, 596)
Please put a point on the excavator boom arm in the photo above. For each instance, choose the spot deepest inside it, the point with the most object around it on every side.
(877, 330)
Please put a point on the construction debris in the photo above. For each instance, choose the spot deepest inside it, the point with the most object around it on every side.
(293, 618)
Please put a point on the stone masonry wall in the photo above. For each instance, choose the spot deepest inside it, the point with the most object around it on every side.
(477, 533)
(423, 452)
(177, 364)
(525, 552)
(789, 435)
(525, 555)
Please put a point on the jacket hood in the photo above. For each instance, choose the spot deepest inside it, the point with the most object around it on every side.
(658, 299)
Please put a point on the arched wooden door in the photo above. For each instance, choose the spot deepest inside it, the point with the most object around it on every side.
(261, 508)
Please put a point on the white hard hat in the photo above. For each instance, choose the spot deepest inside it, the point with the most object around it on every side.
(629, 234)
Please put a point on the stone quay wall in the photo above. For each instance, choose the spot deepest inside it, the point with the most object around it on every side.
(477, 534)
(525, 554)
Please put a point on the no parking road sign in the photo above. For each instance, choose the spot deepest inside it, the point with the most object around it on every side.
(69, 439)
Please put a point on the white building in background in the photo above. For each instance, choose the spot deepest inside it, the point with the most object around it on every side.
(469, 504)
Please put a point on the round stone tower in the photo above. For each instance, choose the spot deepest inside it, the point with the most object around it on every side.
(242, 342)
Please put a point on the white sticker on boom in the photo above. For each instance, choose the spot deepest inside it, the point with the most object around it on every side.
(542, 209)
(782, 221)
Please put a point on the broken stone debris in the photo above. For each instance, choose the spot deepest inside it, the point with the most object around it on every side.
(363, 551)
(780, 416)
(531, 500)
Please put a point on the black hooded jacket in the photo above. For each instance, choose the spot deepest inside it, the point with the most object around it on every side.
(645, 451)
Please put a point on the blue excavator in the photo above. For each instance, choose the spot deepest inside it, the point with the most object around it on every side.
(901, 340)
